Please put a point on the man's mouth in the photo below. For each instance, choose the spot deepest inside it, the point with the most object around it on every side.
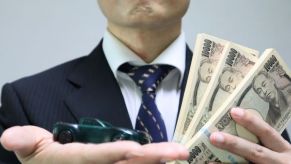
(141, 8)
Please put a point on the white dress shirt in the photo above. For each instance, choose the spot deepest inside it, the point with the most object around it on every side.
(168, 93)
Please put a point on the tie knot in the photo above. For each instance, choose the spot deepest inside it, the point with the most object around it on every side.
(147, 77)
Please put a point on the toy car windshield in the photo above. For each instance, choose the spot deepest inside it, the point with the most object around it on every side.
(90, 130)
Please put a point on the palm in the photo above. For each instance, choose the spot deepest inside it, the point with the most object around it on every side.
(37, 146)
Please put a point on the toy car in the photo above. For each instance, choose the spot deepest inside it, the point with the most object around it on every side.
(90, 130)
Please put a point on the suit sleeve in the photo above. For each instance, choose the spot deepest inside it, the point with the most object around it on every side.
(11, 114)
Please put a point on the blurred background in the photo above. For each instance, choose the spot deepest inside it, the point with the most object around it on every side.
(38, 34)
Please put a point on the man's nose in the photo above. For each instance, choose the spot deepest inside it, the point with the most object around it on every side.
(265, 91)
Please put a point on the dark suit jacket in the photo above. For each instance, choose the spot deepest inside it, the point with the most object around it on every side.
(80, 88)
(84, 87)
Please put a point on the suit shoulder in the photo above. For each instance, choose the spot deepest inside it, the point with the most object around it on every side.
(56, 74)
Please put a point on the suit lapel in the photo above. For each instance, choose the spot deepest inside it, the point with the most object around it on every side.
(98, 94)
(186, 74)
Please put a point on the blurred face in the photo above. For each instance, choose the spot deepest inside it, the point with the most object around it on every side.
(206, 70)
(143, 13)
(265, 88)
(229, 80)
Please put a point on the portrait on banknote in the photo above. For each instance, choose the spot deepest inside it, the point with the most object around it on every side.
(278, 97)
(213, 52)
(229, 79)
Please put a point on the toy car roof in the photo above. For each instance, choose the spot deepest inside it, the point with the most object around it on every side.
(94, 122)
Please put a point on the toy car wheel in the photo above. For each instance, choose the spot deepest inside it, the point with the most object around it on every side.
(65, 136)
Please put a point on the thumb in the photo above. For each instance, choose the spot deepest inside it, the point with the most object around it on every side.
(24, 140)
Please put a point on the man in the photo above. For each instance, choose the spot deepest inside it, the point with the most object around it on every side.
(229, 79)
(206, 70)
(145, 31)
(228, 82)
(278, 98)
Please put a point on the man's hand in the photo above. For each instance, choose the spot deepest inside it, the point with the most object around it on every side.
(274, 150)
(34, 145)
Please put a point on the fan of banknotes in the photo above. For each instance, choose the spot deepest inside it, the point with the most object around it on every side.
(223, 75)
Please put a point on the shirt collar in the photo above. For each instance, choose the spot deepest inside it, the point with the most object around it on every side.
(117, 54)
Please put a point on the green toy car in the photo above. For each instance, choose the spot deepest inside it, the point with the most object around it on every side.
(90, 130)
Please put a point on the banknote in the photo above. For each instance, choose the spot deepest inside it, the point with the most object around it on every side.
(201, 152)
(265, 91)
(207, 53)
(236, 63)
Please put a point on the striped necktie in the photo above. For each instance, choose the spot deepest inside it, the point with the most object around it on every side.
(148, 78)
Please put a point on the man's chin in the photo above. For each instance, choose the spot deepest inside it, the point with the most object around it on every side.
(146, 23)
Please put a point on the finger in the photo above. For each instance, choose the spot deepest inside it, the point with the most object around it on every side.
(248, 150)
(117, 152)
(23, 140)
(96, 153)
(161, 153)
(166, 152)
(266, 134)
